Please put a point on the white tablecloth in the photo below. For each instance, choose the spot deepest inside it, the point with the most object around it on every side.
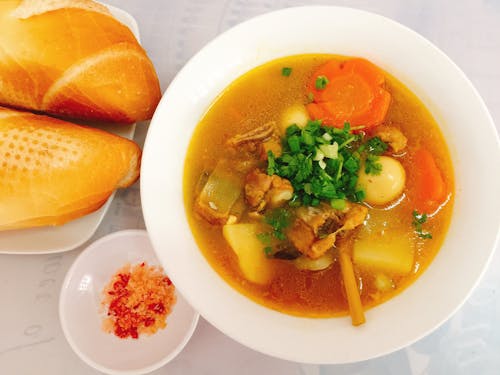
(31, 340)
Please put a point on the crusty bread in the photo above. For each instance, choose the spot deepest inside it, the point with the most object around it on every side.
(72, 58)
(53, 171)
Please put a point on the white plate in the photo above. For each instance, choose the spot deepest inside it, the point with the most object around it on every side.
(81, 320)
(433, 77)
(46, 240)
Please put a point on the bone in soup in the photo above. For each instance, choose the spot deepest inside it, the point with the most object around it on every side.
(318, 186)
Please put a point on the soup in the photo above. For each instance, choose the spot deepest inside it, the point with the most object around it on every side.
(318, 186)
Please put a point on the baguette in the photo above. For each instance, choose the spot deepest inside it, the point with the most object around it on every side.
(72, 58)
(53, 171)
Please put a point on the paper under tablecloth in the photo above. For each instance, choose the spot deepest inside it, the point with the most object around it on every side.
(31, 340)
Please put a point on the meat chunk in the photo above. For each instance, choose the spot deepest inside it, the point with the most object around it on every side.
(317, 217)
(281, 191)
(302, 236)
(262, 190)
(258, 134)
(315, 230)
(355, 216)
(258, 141)
(392, 136)
(257, 184)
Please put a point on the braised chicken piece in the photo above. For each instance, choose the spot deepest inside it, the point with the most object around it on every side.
(258, 134)
(258, 141)
(392, 136)
(315, 230)
(221, 191)
(262, 190)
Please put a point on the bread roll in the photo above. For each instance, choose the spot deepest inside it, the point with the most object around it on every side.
(53, 171)
(72, 58)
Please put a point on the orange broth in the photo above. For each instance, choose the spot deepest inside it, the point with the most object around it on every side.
(260, 96)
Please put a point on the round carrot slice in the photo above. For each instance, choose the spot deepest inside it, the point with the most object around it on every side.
(350, 91)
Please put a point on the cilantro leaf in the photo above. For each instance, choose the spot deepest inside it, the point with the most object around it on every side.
(279, 219)
(376, 146)
(418, 220)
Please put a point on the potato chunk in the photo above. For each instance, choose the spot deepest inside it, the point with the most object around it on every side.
(250, 251)
(392, 253)
(296, 114)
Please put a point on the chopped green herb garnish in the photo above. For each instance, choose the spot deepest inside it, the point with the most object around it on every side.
(376, 146)
(418, 220)
(294, 143)
(265, 238)
(372, 149)
(372, 166)
(338, 204)
(271, 164)
(286, 71)
(321, 82)
(279, 219)
(316, 166)
(310, 97)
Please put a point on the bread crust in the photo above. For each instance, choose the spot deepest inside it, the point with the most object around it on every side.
(71, 58)
(54, 171)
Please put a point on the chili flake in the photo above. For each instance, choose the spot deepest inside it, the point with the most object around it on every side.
(137, 301)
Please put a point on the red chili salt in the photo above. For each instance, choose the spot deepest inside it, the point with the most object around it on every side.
(138, 299)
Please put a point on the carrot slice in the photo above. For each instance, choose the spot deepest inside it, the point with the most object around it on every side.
(353, 94)
(429, 182)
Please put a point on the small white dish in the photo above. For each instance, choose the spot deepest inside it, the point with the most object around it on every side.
(81, 317)
(46, 240)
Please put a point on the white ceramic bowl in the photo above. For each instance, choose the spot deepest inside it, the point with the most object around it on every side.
(433, 77)
(80, 302)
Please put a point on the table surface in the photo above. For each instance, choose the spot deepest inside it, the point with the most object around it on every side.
(31, 340)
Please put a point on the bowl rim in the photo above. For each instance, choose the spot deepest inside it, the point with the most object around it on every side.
(64, 292)
(146, 173)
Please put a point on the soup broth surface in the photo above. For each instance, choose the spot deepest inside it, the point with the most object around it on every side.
(263, 95)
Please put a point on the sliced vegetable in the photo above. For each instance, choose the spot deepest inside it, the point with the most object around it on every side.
(387, 185)
(220, 192)
(250, 251)
(350, 91)
(429, 182)
(330, 151)
(321, 82)
(351, 288)
(338, 204)
(393, 252)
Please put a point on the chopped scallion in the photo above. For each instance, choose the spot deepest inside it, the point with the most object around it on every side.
(321, 82)
(330, 151)
(338, 204)
(286, 71)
